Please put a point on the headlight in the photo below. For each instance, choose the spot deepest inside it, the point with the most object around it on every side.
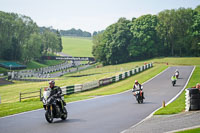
(48, 100)
(44, 101)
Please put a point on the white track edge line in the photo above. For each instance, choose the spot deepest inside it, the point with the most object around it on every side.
(161, 106)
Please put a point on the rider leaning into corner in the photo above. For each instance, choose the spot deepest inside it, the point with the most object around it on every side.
(56, 90)
(137, 86)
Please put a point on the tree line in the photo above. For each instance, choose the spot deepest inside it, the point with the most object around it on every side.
(74, 32)
(22, 40)
(174, 32)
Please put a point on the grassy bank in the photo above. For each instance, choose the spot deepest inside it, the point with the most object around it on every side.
(79, 47)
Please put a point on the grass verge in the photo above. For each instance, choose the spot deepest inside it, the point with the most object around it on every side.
(196, 130)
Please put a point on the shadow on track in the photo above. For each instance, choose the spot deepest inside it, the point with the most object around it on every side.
(68, 121)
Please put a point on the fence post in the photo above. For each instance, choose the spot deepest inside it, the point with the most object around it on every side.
(40, 94)
(20, 97)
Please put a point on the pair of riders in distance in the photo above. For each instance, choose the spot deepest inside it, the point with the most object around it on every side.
(175, 77)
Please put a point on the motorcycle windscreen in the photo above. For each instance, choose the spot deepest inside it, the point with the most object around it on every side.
(46, 94)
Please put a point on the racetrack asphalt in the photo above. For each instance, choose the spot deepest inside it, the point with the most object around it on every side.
(106, 114)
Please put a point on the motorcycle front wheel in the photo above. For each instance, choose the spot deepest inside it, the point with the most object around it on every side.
(65, 113)
(49, 116)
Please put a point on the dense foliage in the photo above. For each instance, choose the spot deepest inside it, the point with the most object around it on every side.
(21, 39)
(170, 33)
(74, 32)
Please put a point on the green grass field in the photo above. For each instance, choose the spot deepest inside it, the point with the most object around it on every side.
(79, 47)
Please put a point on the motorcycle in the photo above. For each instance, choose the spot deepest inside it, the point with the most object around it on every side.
(54, 106)
(139, 95)
(177, 74)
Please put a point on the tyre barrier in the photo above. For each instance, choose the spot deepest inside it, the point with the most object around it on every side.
(192, 99)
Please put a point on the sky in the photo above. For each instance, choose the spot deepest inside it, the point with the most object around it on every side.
(88, 15)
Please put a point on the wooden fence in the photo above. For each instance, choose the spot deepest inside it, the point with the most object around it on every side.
(23, 95)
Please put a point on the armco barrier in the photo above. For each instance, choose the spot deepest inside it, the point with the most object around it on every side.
(123, 76)
(131, 72)
(120, 77)
(64, 90)
(70, 89)
(113, 79)
(105, 81)
(78, 88)
(117, 78)
(126, 74)
(90, 85)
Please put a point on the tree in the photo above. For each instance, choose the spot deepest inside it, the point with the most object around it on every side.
(166, 29)
(144, 43)
(32, 48)
(195, 45)
(98, 48)
(184, 20)
(113, 45)
(60, 47)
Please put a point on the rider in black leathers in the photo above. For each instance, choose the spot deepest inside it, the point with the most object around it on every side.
(56, 90)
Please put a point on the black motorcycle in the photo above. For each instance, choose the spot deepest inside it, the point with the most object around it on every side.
(138, 95)
(54, 106)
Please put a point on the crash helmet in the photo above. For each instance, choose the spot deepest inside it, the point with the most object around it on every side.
(136, 81)
(51, 82)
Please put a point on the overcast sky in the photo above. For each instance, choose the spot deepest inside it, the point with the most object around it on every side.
(88, 15)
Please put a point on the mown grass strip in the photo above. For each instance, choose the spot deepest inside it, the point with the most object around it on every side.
(179, 104)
